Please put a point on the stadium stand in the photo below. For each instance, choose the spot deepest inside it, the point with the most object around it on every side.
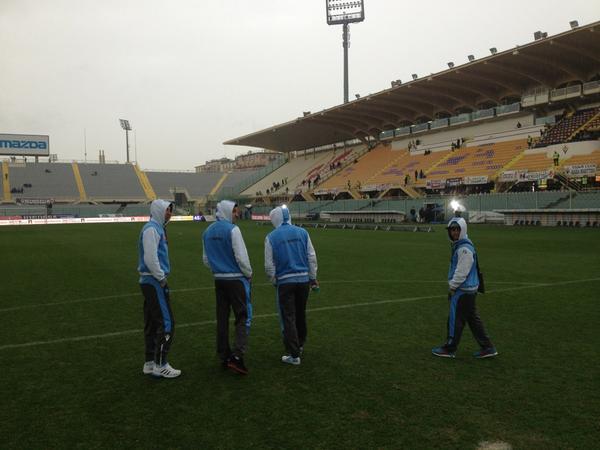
(43, 181)
(110, 182)
(361, 171)
(483, 160)
(194, 185)
(567, 127)
(407, 165)
(295, 170)
(339, 160)
(508, 144)
(234, 179)
(591, 158)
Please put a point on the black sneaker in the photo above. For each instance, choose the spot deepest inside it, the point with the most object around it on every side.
(236, 363)
(225, 364)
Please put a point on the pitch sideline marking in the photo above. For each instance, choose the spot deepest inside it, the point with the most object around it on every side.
(261, 316)
(208, 288)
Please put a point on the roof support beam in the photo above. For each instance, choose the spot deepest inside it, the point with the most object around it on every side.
(469, 88)
(536, 78)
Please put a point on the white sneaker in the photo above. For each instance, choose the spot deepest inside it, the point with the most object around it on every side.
(165, 371)
(289, 359)
(148, 367)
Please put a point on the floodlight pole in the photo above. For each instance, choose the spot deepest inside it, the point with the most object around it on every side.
(344, 13)
(127, 143)
(345, 44)
(127, 127)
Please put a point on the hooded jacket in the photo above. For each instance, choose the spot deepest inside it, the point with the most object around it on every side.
(225, 252)
(289, 254)
(153, 248)
(462, 274)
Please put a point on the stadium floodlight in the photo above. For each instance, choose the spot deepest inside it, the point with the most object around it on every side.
(345, 12)
(450, 65)
(471, 58)
(415, 76)
(357, 96)
(457, 207)
(306, 113)
(493, 50)
(574, 24)
(127, 127)
(537, 35)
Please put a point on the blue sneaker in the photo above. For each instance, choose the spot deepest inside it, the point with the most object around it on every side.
(443, 352)
(486, 353)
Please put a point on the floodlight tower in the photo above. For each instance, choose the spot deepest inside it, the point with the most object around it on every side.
(345, 12)
(127, 127)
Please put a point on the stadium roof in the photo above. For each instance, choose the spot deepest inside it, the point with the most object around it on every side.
(548, 62)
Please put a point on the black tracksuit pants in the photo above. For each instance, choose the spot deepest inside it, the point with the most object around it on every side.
(292, 300)
(464, 311)
(159, 325)
(233, 295)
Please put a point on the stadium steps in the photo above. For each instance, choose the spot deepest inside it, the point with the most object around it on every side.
(218, 185)
(509, 164)
(409, 191)
(145, 183)
(354, 193)
(7, 198)
(79, 181)
(584, 126)
(308, 196)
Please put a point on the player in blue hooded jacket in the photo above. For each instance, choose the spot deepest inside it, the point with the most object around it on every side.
(226, 256)
(291, 265)
(154, 267)
(463, 283)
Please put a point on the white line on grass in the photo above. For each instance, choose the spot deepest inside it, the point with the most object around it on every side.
(209, 288)
(261, 316)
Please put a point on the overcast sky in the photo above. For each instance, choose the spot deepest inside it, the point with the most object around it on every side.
(190, 74)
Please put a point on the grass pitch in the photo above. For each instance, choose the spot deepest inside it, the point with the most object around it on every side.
(72, 347)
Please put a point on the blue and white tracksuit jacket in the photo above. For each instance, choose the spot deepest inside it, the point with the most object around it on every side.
(289, 255)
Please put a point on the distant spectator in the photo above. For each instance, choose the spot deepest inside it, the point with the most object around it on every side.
(529, 141)
(416, 174)
(421, 175)
(519, 125)
(556, 158)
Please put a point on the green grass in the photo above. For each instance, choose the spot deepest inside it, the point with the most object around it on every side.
(367, 380)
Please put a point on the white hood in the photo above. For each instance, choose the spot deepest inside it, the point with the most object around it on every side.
(280, 215)
(463, 227)
(158, 208)
(225, 210)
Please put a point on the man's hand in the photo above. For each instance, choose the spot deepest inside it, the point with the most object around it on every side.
(163, 282)
(314, 285)
(451, 291)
